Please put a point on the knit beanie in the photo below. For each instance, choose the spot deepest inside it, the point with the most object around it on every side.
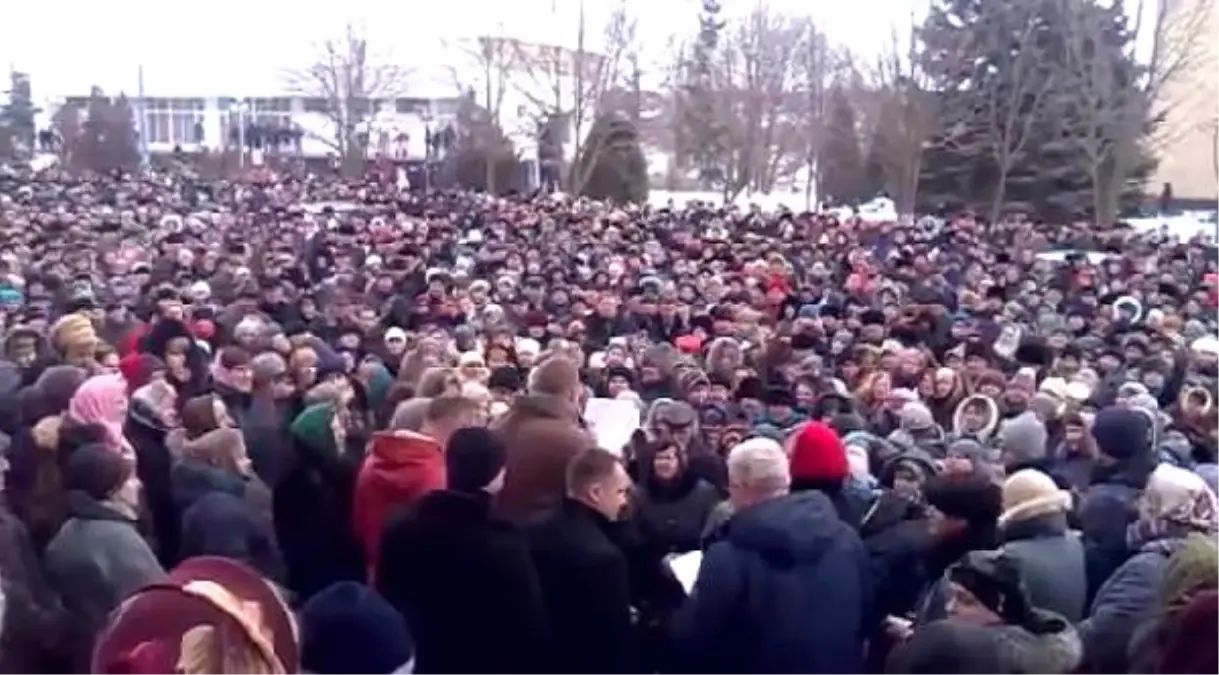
(972, 497)
(915, 416)
(1022, 439)
(817, 455)
(1121, 433)
(1190, 647)
(96, 471)
(1192, 567)
(473, 458)
(1030, 493)
(349, 628)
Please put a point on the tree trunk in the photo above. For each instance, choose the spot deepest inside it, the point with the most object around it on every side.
(996, 205)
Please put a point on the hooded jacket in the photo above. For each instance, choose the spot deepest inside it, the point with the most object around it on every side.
(786, 589)
(401, 467)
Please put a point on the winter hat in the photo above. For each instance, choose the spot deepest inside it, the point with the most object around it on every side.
(817, 455)
(507, 378)
(1030, 493)
(473, 458)
(1121, 433)
(312, 429)
(209, 615)
(915, 416)
(1190, 646)
(995, 581)
(349, 628)
(972, 497)
(96, 470)
(1192, 567)
(1181, 497)
(950, 646)
(1022, 439)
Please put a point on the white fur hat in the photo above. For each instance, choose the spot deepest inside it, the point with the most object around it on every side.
(1029, 493)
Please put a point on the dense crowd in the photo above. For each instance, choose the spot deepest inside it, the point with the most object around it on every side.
(296, 424)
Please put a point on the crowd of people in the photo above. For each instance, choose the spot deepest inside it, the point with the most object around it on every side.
(296, 424)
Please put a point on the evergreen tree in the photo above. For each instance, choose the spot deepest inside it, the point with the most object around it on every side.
(107, 140)
(613, 161)
(18, 129)
(701, 136)
(481, 156)
(971, 56)
(841, 164)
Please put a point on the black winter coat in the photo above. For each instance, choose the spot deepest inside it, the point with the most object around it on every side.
(671, 517)
(466, 583)
(586, 588)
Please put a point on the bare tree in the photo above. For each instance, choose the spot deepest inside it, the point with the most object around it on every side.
(568, 87)
(491, 56)
(996, 112)
(900, 110)
(1098, 104)
(813, 75)
(351, 80)
(759, 103)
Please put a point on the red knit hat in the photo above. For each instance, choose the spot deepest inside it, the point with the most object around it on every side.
(817, 454)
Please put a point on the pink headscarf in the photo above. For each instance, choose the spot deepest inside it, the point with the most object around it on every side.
(102, 400)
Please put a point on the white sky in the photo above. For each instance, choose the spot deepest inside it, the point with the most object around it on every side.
(242, 48)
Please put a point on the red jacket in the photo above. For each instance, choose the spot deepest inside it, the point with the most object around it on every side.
(401, 467)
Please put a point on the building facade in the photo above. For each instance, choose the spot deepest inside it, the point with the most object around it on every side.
(1188, 151)
(396, 128)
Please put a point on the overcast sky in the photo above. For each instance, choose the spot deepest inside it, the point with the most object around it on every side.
(242, 48)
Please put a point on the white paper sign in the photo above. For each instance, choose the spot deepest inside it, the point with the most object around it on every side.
(612, 422)
(685, 567)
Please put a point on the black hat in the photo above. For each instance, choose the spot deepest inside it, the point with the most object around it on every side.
(507, 378)
(872, 317)
(971, 497)
(473, 458)
(96, 471)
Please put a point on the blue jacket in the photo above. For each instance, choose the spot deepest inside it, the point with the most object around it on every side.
(786, 590)
(1124, 600)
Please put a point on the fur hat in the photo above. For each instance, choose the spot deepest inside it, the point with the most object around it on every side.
(1029, 493)
(73, 332)
(96, 471)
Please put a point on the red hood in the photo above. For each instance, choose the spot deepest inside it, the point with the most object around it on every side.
(398, 450)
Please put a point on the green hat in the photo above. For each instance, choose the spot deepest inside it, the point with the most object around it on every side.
(312, 427)
(1193, 566)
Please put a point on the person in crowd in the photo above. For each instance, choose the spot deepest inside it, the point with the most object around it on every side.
(404, 465)
(1175, 504)
(209, 615)
(1035, 538)
(785, 562)
(991, 627)
(150, 418)
(542, 433)
(819, 462)
(266, 421)
(33, 623)
(672, 505)
(98, 557)
(1190, 645)
(583, 571)
(311, 505)
(1192, 574)
(102, 401)
(349, 628)
(1125, 461)
(964, 511)
(224, 509)
(35, 482)
(465, 579)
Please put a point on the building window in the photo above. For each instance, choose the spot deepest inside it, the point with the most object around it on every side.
(317, 104)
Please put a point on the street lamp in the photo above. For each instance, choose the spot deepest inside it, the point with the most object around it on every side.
(428, 144)
(240, 106)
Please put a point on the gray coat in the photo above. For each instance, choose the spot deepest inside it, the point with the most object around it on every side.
(1051, 562)
(98, 559)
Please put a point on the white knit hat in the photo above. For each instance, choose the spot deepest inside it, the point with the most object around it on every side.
(1029, 493)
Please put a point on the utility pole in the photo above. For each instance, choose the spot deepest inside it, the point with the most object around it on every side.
(142, 119)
